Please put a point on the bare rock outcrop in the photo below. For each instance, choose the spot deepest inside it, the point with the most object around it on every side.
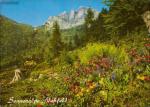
(146, 18)
(17, 76)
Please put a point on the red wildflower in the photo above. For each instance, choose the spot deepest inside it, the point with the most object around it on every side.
(66, 79)
(133, 52)
(75, 87)
(39, 105)
(147, 45)
(138, 59)
(147, 78)
(105, 62)
(89, 83)
(148, 56)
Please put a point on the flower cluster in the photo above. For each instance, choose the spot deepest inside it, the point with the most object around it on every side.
(96, 63)
(139, 58)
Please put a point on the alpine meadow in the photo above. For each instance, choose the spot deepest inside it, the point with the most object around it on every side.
(78, 58)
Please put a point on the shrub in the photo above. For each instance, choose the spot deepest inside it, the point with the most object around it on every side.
(117, 54)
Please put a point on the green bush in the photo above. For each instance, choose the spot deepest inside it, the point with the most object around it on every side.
(117, 54)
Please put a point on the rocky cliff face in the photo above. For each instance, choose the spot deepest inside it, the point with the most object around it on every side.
(146, 18)
(69, 19)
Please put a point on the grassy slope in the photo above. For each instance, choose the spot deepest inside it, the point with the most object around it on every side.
(126, 88)
(13, 36)
(16, 39)
(71, 69)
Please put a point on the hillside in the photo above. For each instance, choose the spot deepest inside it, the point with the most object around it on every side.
(17, 39)
(13, 40)
(99, 72)
(103, 62)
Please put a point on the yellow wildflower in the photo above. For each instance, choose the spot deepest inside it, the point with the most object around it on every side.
(101, 81)
(140, 77)
(87, 90)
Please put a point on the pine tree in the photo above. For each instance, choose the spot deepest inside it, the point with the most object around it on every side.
(99, 29)
(125, 15)
(89, 19)
(56, 44)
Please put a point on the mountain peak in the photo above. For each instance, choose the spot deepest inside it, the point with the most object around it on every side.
(82, 7)
(70, 19)
(63, 13)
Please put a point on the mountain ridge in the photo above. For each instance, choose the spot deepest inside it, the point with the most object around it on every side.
(70, 19)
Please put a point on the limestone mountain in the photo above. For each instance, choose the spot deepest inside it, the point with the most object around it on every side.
(70, 19)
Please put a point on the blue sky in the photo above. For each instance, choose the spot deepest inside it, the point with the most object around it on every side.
(36, 12)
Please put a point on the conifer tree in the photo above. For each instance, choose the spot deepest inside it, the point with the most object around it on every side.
(89, 19)
(56, 44)
(99, 30)
(125, 15)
